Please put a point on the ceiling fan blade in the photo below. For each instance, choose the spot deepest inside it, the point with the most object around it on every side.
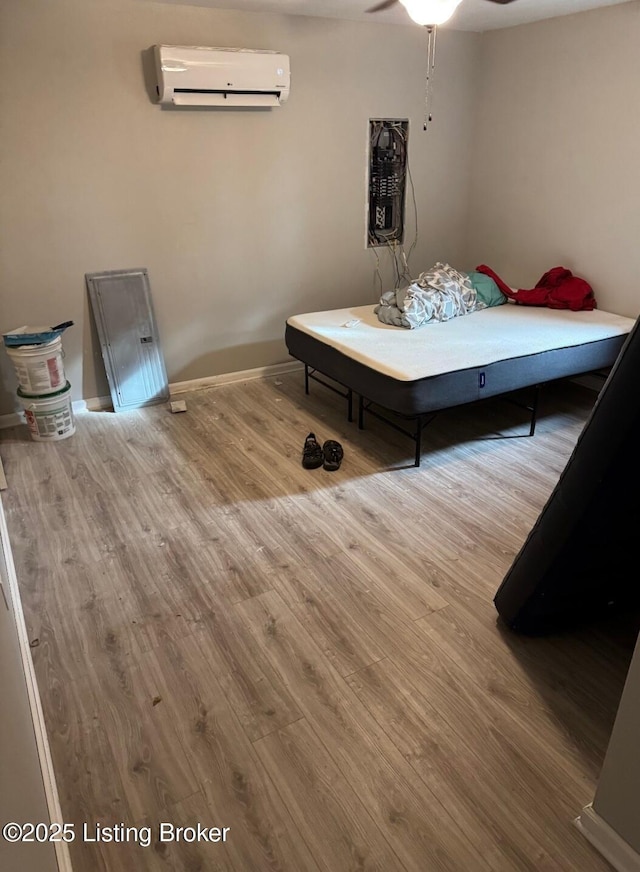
(386, 4)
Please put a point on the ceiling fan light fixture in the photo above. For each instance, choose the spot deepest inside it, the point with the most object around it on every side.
(430, 12)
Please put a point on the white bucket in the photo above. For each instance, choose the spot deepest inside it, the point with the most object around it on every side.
(49, 418)
(40, 368)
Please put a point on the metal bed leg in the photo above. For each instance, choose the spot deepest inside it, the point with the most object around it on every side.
(418, 438)
(311, 374)
(534, 410)
(360, 412)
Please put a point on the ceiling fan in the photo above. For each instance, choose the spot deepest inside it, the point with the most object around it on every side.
(428, 12)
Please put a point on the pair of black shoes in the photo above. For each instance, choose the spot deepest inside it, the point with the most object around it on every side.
(328, 456)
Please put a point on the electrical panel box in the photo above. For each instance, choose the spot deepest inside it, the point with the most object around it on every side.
(123, 312)
(388, 147)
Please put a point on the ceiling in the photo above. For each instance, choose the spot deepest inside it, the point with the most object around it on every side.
(475, 15)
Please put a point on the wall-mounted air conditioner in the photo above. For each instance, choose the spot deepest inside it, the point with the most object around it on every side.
(198, 76)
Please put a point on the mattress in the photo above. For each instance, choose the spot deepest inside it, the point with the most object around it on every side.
(444, 364)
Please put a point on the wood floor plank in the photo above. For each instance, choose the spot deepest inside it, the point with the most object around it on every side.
(343, 640)
(531, 757)
(63, 527)
(326, 809)
(92, 791)
(534, 793)
(260, 700)
(353, 622)
(452, 769)
(155, 771)
(98, 633)
(418, 828)
(177, 854)
(243, 558)
(383, 567)
(236, 788)
(27, 462)
(474, 646)
(401, 585)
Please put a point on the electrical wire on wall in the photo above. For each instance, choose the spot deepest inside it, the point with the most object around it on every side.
(415, 216)
(395, 252)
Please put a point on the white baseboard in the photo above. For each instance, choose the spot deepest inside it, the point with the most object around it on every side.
(230, 377)
(10, 420)
(103, 404)
(63, 856)
(607, 841)
(93, 404)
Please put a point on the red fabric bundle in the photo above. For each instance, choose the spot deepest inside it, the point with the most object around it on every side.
(557, 289)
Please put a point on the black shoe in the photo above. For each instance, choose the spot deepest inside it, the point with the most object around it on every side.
(333, 454)
(312, 455)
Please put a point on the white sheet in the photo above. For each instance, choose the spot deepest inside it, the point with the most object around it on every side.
(477, 339)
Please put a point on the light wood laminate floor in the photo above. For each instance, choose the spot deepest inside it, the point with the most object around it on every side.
(311, 659)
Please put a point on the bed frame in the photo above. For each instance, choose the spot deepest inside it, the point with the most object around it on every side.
(327, 354)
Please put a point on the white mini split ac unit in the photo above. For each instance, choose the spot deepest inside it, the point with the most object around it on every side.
(197, 76)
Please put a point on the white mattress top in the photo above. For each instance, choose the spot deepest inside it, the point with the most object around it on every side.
(478, 339)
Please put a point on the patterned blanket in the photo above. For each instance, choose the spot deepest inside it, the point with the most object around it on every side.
(438, 294)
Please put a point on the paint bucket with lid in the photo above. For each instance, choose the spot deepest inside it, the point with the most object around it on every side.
(39, 368)
(49, 417)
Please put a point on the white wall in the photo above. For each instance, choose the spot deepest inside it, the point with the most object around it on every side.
(241, 217)
(555, 165)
